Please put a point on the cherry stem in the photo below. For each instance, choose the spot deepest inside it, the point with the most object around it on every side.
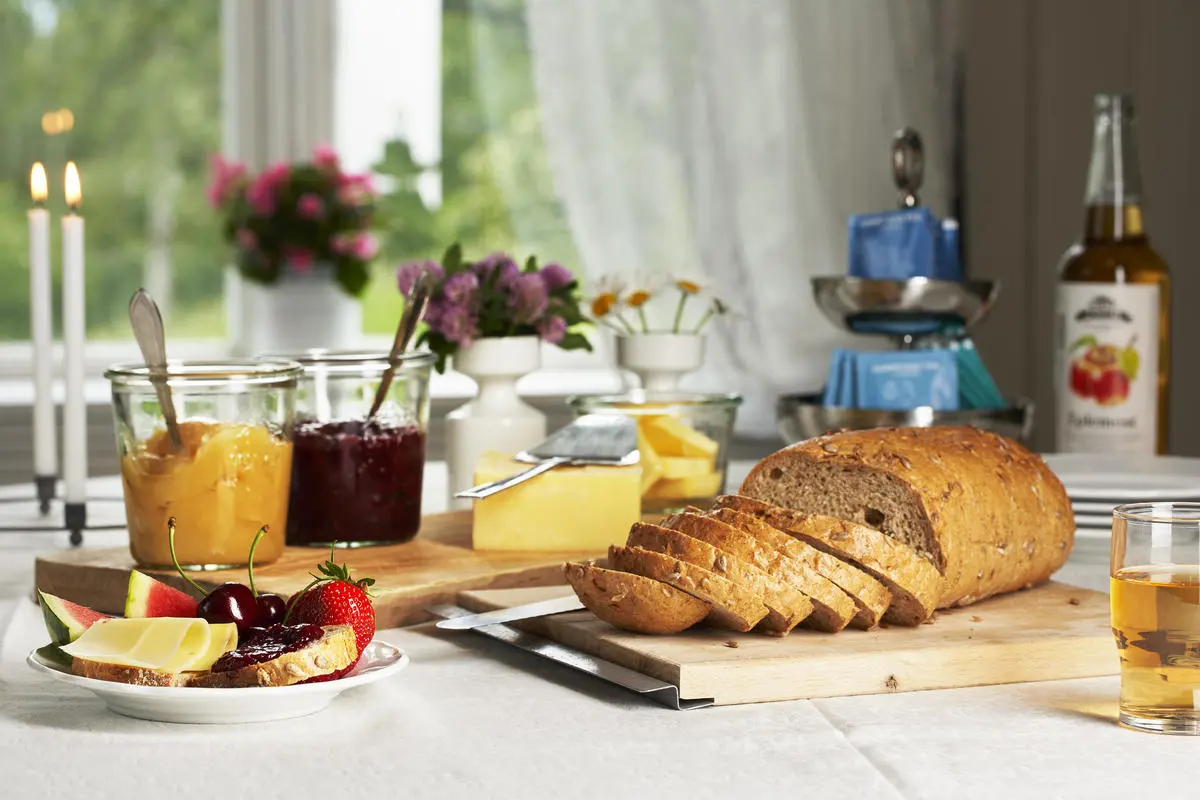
(250, 565)
(175, 561)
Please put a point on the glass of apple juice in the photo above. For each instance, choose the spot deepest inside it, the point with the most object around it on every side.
(1155, 583)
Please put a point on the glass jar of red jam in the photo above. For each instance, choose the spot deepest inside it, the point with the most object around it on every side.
(357, 482)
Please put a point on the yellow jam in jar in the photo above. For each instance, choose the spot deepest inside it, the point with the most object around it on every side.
(225, 482)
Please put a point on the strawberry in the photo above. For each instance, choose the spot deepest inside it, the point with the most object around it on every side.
(336, 598)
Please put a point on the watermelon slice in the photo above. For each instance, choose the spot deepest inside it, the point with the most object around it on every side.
(66, 621)
(148, 597)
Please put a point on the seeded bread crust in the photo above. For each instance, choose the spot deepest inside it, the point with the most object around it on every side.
(134, 676)
(988, 512)
(633, 602)
(787, 607)
(334, 651)
(832, 609)
(731, 606)
(914, 582)
(871, 598)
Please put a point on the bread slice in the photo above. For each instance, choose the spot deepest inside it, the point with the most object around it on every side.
(832, 608)
(731, 606)
(787, 607)
(334, 651)
(633, 602)
(914, 581)
(134, 676)
(870, 596)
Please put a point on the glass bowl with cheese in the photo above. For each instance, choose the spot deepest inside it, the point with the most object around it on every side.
(683, 441)
(226, 477)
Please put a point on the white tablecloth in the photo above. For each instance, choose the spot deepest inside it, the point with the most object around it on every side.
(474, 718)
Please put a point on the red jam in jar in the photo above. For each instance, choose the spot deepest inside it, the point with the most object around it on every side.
(355, 482)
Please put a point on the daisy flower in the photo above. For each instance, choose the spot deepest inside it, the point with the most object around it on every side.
(688, 285)
(607, 297)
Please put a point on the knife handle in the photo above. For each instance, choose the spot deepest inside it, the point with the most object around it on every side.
(489, 489)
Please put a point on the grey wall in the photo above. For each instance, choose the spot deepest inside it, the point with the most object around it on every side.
(1031, 69)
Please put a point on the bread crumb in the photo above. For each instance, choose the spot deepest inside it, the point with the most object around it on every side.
(730, 643)
(976, 619)
(891, 683)
(1074, 601)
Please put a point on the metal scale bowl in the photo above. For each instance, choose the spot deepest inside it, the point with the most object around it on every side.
(906, 311)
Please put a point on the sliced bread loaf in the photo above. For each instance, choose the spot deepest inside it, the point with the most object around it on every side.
(914, 581)
(832, 608)
(633, 602)
(985, 510)
(731, 605)
(787, 607)
(871, 598)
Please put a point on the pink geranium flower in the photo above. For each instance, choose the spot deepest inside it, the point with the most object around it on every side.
(225, 175)
(246, 239)
(364, 247)
(298, 258)
(309, 206)
(325, 157)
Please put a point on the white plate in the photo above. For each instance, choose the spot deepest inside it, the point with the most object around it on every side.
(1095, 476)
(216, 706)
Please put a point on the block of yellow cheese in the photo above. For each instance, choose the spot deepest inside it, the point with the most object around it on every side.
(651, 464)
(697, 487)
(568, 508)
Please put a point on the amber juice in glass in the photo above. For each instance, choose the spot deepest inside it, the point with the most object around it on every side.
(1155, 596)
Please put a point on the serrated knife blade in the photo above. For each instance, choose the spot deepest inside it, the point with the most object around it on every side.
(542, 608)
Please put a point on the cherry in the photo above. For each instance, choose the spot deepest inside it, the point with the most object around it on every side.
(232, 602)
(271, 610)
(229, 602)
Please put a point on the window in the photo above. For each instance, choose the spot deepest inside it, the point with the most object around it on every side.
(454, 139)
(130, 91)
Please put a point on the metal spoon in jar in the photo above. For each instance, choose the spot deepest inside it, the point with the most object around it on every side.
(147, 324)
(414, 310)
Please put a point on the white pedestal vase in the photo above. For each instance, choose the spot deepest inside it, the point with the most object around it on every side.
(299, 312)
(497, 419)
(660, 360)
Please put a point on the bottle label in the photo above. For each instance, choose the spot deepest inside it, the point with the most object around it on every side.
(1106, 372)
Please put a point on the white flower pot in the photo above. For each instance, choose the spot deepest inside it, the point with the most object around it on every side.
(660, 360)
(497, 419)
(298, 313)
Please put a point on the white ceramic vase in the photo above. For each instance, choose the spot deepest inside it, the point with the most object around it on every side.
(299, 312)
(660, 360)
(497, 419)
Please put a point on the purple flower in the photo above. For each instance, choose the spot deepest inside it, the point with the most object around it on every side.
(407, 274)
(556, 276)
(506, 269)
(527, 298)
(456, 324)
(552, 329)
(461, 289)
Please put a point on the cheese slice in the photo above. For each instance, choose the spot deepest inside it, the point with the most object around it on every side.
(676, 467)
(222, 639)
(568, 508)
(652, 465)
(670, 436)
(166, 644)
(697, 488)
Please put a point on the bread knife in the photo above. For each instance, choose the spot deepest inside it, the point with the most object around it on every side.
(542, 608)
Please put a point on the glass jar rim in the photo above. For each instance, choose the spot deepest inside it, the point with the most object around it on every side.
(356, 359)
(1148, 511)
(260, 372)
(640, 397)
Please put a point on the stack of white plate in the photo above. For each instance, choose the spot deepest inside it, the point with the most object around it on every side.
(1097, 483)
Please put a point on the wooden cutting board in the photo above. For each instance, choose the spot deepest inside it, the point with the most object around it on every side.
(433, 568)
(1054, 631)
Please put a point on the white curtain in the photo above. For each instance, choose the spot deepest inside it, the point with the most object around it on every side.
(733, 138)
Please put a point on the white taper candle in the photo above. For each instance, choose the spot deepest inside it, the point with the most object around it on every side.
(41, 315)
(74, 338)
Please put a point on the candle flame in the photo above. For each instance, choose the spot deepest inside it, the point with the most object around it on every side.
(37, 183)
(74, 190)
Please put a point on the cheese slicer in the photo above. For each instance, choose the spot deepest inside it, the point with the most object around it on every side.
(594, 439)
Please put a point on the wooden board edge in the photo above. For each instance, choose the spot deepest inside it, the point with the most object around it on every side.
(924, 670)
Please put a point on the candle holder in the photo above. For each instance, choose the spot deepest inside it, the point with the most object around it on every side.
(45, 486)
(74, 517)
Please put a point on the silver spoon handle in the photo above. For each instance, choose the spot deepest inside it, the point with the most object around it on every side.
(489, 489)
(414, 311)
(147, 324)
